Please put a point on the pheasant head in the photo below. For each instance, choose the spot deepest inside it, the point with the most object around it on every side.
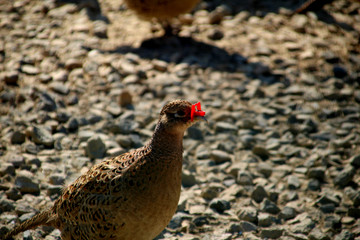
(178, 115)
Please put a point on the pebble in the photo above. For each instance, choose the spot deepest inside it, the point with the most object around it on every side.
(215, 34)
(60, 76)
(287, 213)
(24, 181)
(355, 160)
(248, 214)
(304, 227)
(188, 179)
(344, 177)
(293, 182)
(219, 205)
(14, 159)
(125, 98)
(317, 173)
(29, 69)
(95, 147)
(41, 135)
(11, 77)
(246, 226)
(100, 28)
(60, 88)
(265, 220)
(267, 206)
(18, 137)
(220, 156)
(272, 233)
(244, 178)
(224, 127)
(259, 194)
(7, 168)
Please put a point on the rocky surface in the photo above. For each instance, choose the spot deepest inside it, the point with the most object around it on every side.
(280, 156)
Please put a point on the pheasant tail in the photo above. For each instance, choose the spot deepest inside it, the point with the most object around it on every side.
(39, 219)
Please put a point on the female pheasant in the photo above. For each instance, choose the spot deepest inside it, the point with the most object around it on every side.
(131, 196)
(161, 10)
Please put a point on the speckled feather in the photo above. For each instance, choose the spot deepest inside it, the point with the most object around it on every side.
(131, 196)
(160, 9)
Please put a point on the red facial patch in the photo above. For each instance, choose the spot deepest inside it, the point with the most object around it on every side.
(196, 111)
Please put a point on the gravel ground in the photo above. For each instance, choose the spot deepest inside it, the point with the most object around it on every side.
(280, 156)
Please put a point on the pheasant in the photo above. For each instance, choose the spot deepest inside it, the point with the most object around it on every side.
(162, 10)
(131, 196)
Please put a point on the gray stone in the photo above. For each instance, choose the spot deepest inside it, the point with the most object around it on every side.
(100, 29)
(332, 222)
(177, 220)
(6, 205)
(345, 176)
(259, 194)
(57, 179)
(54, 190)
(41, 135)
(261, 152)
(224, 127)
(247, 226)
(287, 213)
(234, 228)
(220, 205)
(269, 207)
(314, 185)
(215, 34)
(188, 178)
(59, 87)
(17, 137)
(60, 76)
(72, 63)
(25, 182)
(248, 214)
(293, 182)
(195, 133)
(317, 173)
(15, 159)
(13, 194)
(220, 156)
(85, 135)
(202, 152)
(11, 77)
(95, 147)
(326, 198)
(122, 126)
(72, 124)
(265, 169)
(355, 161)
(265, 220)
(345, 235)
(317, 234)
(7, 168)
(305, 226)
(244, 178)
(273, 233)
(29, 69)
(212, 191)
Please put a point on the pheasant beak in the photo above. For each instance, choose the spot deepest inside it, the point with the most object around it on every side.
(197, 113)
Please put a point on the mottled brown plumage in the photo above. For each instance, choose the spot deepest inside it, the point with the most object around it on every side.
(161, 10)
(131, 196)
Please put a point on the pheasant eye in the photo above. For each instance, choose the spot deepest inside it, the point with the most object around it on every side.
(180, 113)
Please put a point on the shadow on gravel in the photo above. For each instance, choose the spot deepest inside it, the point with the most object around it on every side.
(190, 51)
(262, 7)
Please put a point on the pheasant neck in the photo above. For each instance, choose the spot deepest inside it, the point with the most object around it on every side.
(166, 142)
